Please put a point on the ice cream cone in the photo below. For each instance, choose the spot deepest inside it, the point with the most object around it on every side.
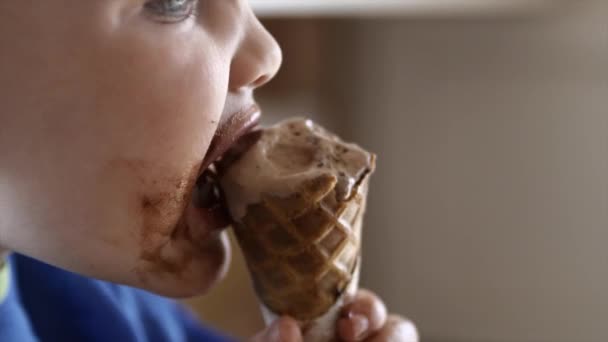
(302, 242)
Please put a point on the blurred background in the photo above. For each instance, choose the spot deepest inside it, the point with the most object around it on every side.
(488, 214)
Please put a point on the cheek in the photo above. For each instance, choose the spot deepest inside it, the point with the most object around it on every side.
(123, 120)
(161, 101)
(159, 98)
(157, 102)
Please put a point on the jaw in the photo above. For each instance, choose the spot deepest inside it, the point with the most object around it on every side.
(184, 269)
(171, 247)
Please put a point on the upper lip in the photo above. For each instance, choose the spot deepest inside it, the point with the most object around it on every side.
(230, 129)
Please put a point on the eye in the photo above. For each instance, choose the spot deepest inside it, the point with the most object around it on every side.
(171, 11)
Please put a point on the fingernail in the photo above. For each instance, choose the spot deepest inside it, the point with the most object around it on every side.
(360, 325)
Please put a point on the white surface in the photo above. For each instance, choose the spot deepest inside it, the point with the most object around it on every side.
(291, 8)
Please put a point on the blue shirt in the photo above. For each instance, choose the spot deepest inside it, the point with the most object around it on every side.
(44, 303)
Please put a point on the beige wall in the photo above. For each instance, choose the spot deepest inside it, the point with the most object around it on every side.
(489, 211)
(488, 218)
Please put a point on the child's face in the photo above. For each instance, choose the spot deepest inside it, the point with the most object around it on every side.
(108, 110)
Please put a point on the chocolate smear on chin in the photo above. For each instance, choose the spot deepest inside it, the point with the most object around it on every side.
(164, 239)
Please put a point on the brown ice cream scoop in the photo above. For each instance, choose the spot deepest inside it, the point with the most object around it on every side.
(297, 198)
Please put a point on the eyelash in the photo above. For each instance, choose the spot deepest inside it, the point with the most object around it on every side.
(167, 11)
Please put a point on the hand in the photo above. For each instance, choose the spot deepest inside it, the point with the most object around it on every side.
(364, 318)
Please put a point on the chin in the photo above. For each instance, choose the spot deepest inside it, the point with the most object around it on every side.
(206, 268)
(217, 265)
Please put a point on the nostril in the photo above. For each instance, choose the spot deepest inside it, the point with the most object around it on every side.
(260, 81)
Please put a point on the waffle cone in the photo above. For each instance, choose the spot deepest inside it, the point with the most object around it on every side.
(303, 251)
(322, 328)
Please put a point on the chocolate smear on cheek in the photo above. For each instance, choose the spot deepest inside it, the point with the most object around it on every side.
(166, 246)
(157, 236)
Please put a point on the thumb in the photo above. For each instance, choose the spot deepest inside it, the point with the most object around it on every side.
(284, 329)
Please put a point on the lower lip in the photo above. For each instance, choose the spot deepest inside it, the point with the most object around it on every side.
(215, 219)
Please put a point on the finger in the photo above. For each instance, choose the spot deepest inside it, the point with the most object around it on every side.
(397, 329)
(363, 316)
(284, 329)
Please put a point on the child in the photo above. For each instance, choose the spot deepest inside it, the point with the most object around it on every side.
(109, 112)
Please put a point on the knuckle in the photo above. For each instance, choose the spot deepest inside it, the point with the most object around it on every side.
(367, 296)
(371, 306)
(402, 329)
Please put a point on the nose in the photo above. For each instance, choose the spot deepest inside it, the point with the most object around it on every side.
(256, 60)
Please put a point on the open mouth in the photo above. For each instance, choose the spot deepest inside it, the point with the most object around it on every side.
(207, 194)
